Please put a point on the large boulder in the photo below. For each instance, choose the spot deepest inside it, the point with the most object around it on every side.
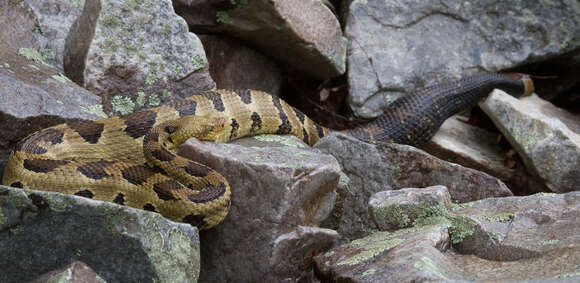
(398, 46)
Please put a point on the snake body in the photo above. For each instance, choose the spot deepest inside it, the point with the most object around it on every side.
(131, 160)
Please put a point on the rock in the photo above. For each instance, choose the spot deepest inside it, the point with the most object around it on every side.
(34, 96)
(55, 18)
(399, 46)
(275, 192)
(233, 65)
(17, 21)
(77, 271)
(135, 54)
(512, 239)
(479, 149)
(373, 168)
(546, 138)
(43, 231)
(306, 29)
(392, 210)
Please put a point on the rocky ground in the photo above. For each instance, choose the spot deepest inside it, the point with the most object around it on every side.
(494, 196)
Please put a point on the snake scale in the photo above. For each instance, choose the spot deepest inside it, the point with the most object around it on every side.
(131, 160)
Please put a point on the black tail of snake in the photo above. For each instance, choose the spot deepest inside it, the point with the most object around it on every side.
(131, 160)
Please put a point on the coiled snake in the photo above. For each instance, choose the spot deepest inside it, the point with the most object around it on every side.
(131, 160)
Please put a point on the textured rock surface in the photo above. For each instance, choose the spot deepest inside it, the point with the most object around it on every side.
(307, 29)
(77, 271)
(392, 210)
(547, 138)
(55, 18)
(513, 239)
(399, 46)
(479, 149)
(135, 54)
(43, 231)
(274, 191)
(34, 96)
(233, 65)
(374, 168)
(18, 22)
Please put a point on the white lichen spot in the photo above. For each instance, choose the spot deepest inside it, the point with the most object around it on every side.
(141, 99)
(122, 104)
(96, 110)
(154, 100)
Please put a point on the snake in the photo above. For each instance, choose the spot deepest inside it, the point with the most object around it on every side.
(132, 160)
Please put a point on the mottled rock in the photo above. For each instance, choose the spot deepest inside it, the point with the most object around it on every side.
(546, 138)
(233, 65)
(77, 271)
(18, 24)
(479, 149)
(392, 210)
(34, 96)
(43, 231)
(135, 54)
(306, 29)
(372, 168)
(275, 190)
(398, 46)
(513, 239)
(55, 18)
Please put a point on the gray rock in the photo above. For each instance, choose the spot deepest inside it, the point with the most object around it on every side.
(55, 18)
(303, 34)
(373, 168)
(135, 54)
(18, 22)
(233, 65)
(513, 239)
(546, 138)
(392, 210)
(43, 231)
(34, 96)
(275, 191)
(77, 271)
(479, 149)
(398, 46)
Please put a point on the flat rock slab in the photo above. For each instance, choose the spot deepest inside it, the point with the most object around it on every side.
(399, 46)
(372, 168)
(514, 239)
(135, 54)
(77, 271)
(276, 192)
(303, 34)
(546, 138)
(43, 231)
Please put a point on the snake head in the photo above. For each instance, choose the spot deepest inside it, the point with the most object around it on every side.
(207, 128)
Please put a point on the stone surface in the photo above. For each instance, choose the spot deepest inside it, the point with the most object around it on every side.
(479, 149)
(373, 168)
(18, 24)
(392, 210)
(43, 231)
(233, 65)
(398, 46)
(513, 239)
(546, 138)
(77, 271)
(34, 96)
(275, 191)
(55, 18)
(303, 34)
(135, 54)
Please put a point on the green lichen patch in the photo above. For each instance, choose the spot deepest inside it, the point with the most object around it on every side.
(96, 109)
(329, 254)
(370, 249)
(198, 62)
(568, 275)
(369, 272)
(461, 227)
(550, 242)
(427, 264)
(222, 17)
(141, 99)
(36, 55)
(391, 214)
(154, 100)
(61, 78)
(500, 217)
(285, 140)
(123, 104)
(78, 3)
(2, 217)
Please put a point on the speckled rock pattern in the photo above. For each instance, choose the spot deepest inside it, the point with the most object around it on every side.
(34, 96)
(17, 21)
(513, 239)
(546, 138)
(373, 168)
(55, 18)
(474, 147)
(43, 231)
(307, 29)
(274, 190)
(398, 46)
(135, 54)
(233, 65)
(77, 271)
